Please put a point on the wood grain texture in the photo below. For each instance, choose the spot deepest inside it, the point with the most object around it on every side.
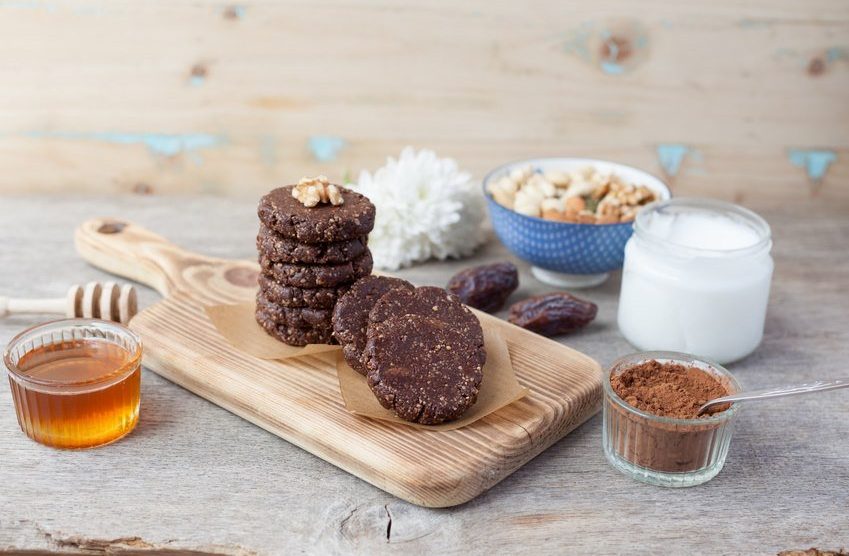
(299, 399)
(736, 99)
(193, 476)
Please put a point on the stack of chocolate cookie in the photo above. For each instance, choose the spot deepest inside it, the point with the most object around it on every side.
(311, 249)
(421, 349)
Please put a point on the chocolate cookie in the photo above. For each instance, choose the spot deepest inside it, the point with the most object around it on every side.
(298, 317)
(291, 296)
(350, 316)
(424, 369)
(293, 335)
(322, 223)
(318, 275)
(279, 248)
(428, 301)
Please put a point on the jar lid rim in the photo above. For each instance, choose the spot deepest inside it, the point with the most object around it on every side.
(754, 220)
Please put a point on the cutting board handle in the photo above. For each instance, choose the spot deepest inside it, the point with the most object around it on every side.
(127, 250)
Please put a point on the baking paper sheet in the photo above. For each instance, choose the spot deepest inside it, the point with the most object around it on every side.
(499, 386)
(239, 326)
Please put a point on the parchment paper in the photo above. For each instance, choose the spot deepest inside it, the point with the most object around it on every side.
(498, 388)
(239, 326)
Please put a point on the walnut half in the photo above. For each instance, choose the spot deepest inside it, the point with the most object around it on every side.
(312, 191)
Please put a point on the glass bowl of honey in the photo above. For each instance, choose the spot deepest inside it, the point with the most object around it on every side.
(75, 382)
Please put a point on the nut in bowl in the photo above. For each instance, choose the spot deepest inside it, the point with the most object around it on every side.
(569, 217)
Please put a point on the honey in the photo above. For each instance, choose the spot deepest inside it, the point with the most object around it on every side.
(76, 388)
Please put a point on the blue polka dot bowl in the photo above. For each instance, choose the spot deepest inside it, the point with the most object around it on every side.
(564, 254)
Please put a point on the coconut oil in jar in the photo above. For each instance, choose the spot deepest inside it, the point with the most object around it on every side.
(696, 279)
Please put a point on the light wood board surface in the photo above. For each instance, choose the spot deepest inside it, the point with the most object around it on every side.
(196, 477)
(299, 400)
(728, 97)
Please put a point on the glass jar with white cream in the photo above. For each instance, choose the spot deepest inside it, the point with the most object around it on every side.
(696, 279)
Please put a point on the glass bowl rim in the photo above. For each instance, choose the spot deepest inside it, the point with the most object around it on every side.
(69, 323)
(677, 357)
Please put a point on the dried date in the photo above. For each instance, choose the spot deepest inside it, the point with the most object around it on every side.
(485, 287)
(552, 314)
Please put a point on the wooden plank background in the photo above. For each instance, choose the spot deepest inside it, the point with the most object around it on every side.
(728, 98)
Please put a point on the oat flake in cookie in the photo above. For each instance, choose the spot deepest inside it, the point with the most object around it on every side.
(321, 223)
(350, 316)
(424, 369)
(317, 276)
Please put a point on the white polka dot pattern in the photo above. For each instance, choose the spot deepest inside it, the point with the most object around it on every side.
(561, 246)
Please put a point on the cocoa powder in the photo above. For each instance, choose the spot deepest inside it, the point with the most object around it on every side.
(668, 389)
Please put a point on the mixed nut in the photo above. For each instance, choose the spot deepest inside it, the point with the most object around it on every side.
(587, 196)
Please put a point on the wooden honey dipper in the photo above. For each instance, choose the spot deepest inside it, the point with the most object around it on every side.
(107, 301)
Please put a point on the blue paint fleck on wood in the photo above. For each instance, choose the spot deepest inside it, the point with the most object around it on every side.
(615, 49)
(51, 7)
(836, 53)
(29, 5)
(612, 68)
(814, 161)
(197, 80)
(325, 148)
(610, 64)
(577, 41)
(671, 155)
(157, 143)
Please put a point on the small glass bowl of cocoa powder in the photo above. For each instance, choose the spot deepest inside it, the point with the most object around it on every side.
(652, 431)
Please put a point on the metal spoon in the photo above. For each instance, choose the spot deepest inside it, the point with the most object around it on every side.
(779, 392)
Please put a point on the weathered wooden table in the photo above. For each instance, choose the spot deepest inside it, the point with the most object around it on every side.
(195, 477)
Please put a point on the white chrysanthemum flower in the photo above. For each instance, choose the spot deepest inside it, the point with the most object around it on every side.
(426, 207)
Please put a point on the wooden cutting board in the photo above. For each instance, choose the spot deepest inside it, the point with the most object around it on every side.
(299, 399)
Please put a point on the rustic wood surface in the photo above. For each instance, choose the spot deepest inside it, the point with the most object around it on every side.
(299, 399)
(216, 97)
(195, 477)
